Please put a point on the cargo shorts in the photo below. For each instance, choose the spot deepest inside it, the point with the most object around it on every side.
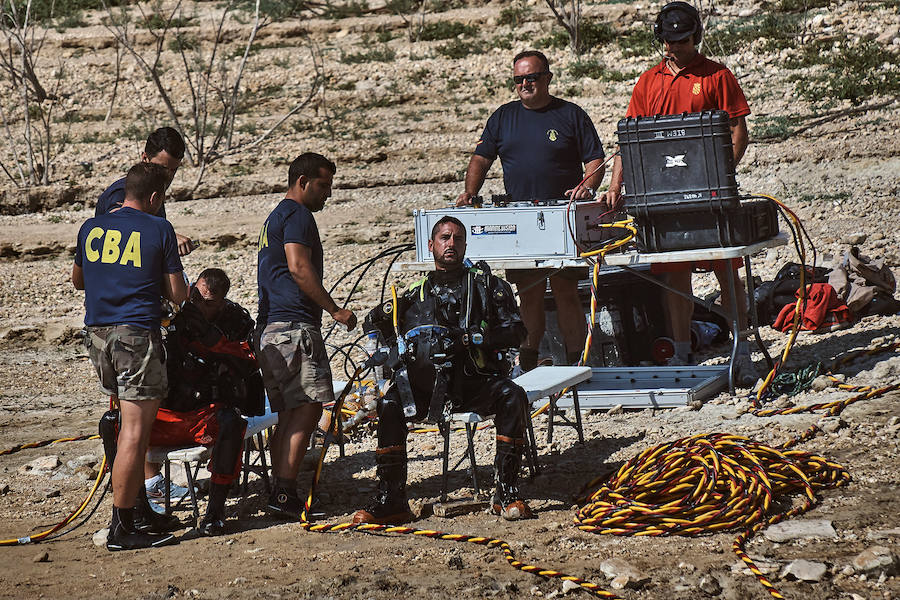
(294, 365)
(130, 361)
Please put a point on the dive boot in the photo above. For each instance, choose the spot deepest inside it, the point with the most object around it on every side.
(390, 506)
(213, 523)
(506, 502)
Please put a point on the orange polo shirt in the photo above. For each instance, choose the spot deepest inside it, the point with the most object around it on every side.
(702, 85)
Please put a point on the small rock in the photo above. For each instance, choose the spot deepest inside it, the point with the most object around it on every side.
(620, 582)
(883, 533)
(799, 529)
(4, 489)
(783, 401)
(41, 466)
(820, 383)
(874, 559)
(86, 460)
(100, 537)
(886, 369)
(855, 239)
(686, 566)
(53, 493)
(569, 586)
(804, 570)
(886, 36)
(85, 473)
(618, 409)
(613, 567)
(41, 557)
(709, 585)
(831, 424)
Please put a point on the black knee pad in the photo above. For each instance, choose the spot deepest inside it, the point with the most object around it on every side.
(391, 422)
(511, 403)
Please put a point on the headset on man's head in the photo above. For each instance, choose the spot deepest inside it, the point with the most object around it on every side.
(683, 6)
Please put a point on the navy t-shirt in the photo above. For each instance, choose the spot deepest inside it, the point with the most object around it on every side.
(113, 197)
(542, 151)
(280, 298)
(124, 256)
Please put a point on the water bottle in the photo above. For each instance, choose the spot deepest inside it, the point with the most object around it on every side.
(371, 346)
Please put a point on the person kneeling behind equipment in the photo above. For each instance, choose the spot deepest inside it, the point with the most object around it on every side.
(447, 344)
(214, 379)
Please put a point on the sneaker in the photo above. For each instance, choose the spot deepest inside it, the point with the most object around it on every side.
(211, 526)
(121, 539)
(156, 489)
(285, 503)
(513, 511)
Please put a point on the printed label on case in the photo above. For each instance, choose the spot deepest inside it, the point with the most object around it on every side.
(494, 229)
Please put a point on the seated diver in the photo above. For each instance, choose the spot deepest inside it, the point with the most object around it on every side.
(447, 356)
(213, 379)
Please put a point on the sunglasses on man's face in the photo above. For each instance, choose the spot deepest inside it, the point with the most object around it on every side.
(530, 77)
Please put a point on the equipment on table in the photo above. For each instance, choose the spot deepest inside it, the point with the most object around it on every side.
(519, 229)
(680, 184)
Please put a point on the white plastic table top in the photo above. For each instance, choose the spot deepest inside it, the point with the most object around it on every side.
(626, 259)
(546, 381)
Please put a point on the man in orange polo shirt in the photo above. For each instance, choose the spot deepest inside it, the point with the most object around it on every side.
(687, 81)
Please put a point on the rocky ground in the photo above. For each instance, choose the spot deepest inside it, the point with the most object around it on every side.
(400, 130)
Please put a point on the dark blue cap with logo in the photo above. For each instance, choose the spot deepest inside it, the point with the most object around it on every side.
(677, 21)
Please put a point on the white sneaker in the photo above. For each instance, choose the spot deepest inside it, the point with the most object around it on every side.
(156, 489)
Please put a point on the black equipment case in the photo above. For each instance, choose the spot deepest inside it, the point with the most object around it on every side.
(682, 161)
(680, 184)
(754, 220)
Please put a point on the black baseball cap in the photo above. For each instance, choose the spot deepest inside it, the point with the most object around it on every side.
(676, 24)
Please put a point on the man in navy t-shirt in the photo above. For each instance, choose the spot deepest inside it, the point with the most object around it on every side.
(291, 351)
(542, 142)
(124, 261)
(164, 147)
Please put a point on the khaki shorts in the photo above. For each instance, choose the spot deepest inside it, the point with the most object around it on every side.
(294, 365)
(130, 361)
